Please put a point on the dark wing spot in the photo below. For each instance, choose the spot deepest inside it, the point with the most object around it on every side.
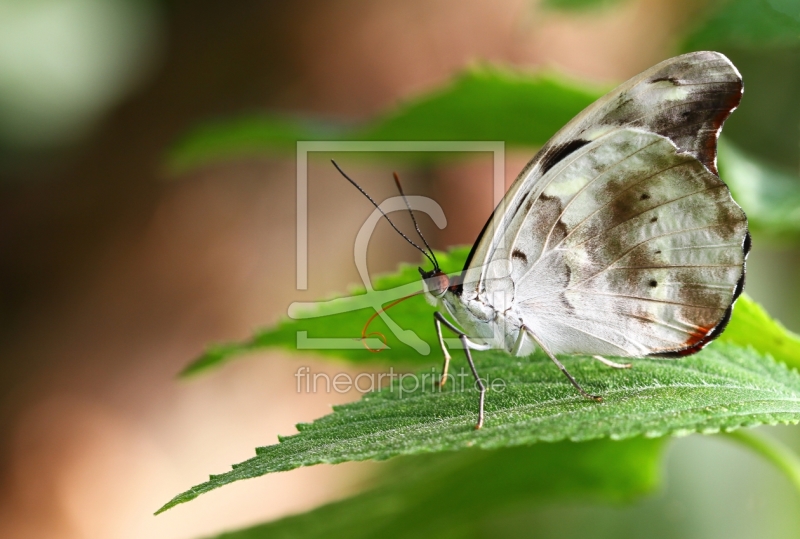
(672, 80)
(528, 205)
(653, 220)
(516, 253)
(623, 100)
(568, 307)
(653, 283)
(644, 196)
(557, 153)
(551, 206)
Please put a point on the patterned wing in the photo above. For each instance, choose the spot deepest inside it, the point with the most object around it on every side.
(685, 99)
(633, 248)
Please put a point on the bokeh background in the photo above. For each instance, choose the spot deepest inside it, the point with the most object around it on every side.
(116, 272)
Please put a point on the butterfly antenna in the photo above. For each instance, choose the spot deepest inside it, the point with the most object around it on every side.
(420, 249)
(416, 226)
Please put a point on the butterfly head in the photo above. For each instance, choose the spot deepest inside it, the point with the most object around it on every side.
(435, 283)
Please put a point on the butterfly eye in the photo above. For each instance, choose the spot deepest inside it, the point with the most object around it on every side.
(436, 283)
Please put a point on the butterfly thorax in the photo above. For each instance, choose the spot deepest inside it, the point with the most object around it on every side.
(480, 319)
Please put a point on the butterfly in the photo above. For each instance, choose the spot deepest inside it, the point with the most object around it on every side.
(618, 238)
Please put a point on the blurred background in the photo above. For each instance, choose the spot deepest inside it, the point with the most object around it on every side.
(116, 272)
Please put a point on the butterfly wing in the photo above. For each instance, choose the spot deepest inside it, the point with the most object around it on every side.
(632, 249)
(620, 236)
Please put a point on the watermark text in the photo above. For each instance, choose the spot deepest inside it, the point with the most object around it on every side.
(402, 383)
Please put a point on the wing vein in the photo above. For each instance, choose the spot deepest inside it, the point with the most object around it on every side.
(580, 224)
(651, 300)
(623, 255)
(714, 246)
(660, 205)
(593, 335)
(659, 322)
(662, 109)
(677, 266)
(581, 190)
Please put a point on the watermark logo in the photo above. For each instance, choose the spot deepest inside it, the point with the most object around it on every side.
(376, 299)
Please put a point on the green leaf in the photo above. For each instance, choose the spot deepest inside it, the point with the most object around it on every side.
(748, 23)
(770, 197)
(458, 494)
(482, 103)
(750, 325)
(719, 389)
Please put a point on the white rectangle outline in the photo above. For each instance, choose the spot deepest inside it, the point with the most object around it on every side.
(497, 148)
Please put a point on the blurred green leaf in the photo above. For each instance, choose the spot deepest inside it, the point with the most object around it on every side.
(787, 7)
(781, 456)
(579, 5)
(747, 23)
(488, 103)
(351, 313)
(766, 124)
(770, 197)
(750, 325)
(457, 494)
(482, 103)
(721, 388)
(249, 135)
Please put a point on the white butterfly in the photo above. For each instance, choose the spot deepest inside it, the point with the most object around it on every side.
(618, 238)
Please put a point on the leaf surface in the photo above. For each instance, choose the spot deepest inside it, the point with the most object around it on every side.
(722, 388)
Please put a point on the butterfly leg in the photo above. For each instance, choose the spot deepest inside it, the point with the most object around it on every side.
(467, 344)
(613, 364)
(520, 341)
(445, 352)
(555, 360)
